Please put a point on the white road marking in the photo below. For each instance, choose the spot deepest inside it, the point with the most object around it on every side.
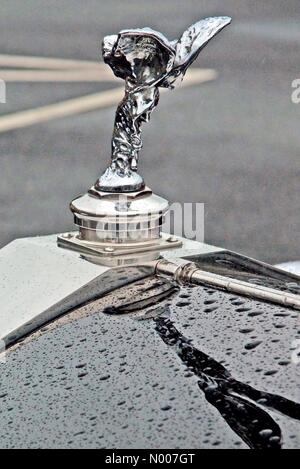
(88, 75)
(69, 71)
(21, 61)
(62, 109)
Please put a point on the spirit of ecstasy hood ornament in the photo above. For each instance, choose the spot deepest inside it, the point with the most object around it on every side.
(147, 61)
(120, 216)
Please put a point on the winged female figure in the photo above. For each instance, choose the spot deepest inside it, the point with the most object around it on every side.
(147, 61)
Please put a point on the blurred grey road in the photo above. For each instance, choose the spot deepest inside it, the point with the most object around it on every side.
(233, 143)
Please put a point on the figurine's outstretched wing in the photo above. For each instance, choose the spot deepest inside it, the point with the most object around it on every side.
(196, 37)
(193, 40)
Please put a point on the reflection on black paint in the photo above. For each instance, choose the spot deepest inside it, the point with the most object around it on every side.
(238, 403)
(241, 405)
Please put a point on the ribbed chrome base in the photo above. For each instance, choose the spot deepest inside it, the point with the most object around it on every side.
(115, 225)
(119, 218)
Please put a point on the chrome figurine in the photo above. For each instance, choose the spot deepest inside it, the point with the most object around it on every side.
(146, 60)
(119, 218)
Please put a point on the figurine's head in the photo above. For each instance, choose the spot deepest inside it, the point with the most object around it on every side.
(141, 56)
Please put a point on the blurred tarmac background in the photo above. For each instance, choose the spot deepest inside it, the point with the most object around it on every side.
(232, 143)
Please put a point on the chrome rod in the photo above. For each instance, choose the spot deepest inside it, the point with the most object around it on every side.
(190, 273)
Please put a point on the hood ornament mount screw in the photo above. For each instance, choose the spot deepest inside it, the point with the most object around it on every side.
(120, 211)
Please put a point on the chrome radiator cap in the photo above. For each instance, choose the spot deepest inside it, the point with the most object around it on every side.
(119, 218)
(120, 209)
